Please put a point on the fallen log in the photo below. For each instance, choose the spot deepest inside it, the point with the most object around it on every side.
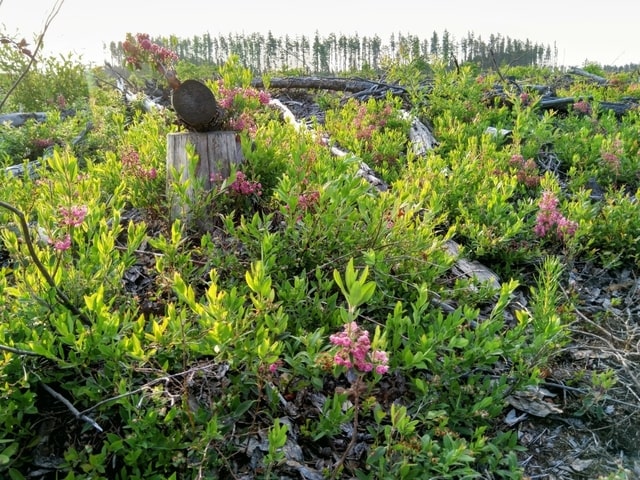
(31, 168)
(619, 108)
(364, 170)
(323, 83)
(557, 103)
(421, 136)
(583, 73)
(19, 119)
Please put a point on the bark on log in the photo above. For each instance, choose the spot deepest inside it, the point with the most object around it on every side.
(31, 167)
(217, 153)
(19, 119)
(583, 73)
(319, 83)
(422, 138)
(556, 103)
(360, 89)
(619, 108)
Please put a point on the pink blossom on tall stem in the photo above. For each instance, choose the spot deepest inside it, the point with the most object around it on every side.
(549, 217)
(582, 107)
(242, 186)
(62, 244)
(354, 351)
(72, 216)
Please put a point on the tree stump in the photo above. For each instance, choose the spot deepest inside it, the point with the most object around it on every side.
(217, 153)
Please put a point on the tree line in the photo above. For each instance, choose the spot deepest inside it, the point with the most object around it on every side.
(335, 53)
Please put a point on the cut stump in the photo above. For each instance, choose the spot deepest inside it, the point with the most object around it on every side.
(217, 153)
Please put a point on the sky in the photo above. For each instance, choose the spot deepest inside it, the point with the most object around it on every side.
(589, 31)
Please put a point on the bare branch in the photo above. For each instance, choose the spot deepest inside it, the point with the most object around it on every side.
(17, 351)
(32, 56)
(72, 409)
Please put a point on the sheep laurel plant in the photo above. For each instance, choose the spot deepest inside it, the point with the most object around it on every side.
(243, 314)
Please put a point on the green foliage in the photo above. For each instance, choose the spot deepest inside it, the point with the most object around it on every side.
(374, 131)
(176, 342)
(54, 82)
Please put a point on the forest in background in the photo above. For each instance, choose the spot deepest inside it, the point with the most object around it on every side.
(335, 53)
(343, 53)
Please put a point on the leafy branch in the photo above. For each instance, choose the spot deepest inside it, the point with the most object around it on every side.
(24, 227)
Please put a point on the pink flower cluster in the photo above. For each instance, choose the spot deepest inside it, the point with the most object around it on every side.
(366, 123)
(354, 351)
(549, 218)
(242, 186)
(228, 96)
(62, 244)
(525, 99)
(141, 49)
(612, 157)
(308, 200)
(72, 216)
(42, 143)
(527, 170)
(132, 165)
(582, 107)
(243, 122)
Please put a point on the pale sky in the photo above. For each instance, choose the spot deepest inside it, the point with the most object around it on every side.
(602, 32)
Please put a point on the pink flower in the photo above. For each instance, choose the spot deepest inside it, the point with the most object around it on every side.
(525, 99)
(582, 107)
(73, 216)
(242, 186)
(264, 97)
(354, 350)
(63, 244)
(273, 368)
(549, 217)
(382, 369)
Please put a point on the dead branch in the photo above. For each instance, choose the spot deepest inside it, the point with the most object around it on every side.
(32, 55)
(318, 83)
(583, 73)
(71, 408)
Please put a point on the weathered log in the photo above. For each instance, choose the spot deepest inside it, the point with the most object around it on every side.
(618, 108)
(555, 103)
(318, 83)
(360, 89)
(583, 73)
(472, 269)
(217, 153)
(31, 167)
(421, 136)
(19, 119)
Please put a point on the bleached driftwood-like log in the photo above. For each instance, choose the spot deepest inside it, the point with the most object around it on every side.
(471, 268)
(19, 119)
(422, 138)
(364, 170)
(148, 104)
(591, 76)
(217, 153)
